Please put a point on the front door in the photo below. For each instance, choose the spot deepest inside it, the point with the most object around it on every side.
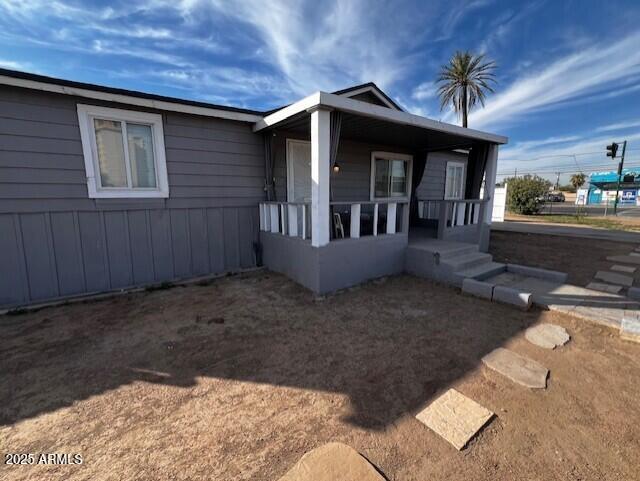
(298, 171)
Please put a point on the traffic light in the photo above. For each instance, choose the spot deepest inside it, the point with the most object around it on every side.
(612, 150)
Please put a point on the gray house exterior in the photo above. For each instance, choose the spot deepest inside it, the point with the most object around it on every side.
(227, 174)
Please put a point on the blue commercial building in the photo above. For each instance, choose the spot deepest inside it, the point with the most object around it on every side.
(602, 187)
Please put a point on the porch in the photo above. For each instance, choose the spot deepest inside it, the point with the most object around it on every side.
(349, 184)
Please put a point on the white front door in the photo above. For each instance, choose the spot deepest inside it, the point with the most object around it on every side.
(298, 171)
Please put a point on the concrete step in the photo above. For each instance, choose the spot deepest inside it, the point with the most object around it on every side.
(468, 261)
(445, 250)
(483, 271)
(458, 251)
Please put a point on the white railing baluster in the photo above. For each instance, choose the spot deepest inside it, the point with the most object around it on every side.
(274, 218)
(292, 218)
(304, 221)
(375, 219)
(267, 212)
(261, 214)
(282, 220)
(355, 221)
(391, 218)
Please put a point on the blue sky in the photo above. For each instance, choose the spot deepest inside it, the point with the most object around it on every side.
(569, 71)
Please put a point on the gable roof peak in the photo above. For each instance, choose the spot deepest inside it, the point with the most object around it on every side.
(372, 89)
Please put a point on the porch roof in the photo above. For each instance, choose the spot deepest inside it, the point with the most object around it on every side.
(366, 122)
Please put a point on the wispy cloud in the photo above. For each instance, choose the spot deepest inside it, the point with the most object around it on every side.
(424, 91)
(504, 24)
(329, 45)
(629, 124)
(586, 153)
(567, 78)
(10, 64)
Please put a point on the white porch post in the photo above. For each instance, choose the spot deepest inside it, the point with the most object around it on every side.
(320, 167)
(490, 180)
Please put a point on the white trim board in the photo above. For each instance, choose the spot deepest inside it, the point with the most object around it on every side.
(345, 104)
(129, 99)
(372, 174)
(463, 180)
(290, 176)
(372, 90)
(86, 113)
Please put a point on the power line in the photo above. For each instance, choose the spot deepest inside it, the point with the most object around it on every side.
(552, 170)
(558, 155)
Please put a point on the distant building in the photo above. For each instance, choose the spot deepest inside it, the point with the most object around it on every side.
(602, 187)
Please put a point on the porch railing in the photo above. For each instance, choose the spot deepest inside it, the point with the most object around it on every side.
(286, 218)
(348, 219)
(456, 219)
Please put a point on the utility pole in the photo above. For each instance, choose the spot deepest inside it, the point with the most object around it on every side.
(620, 167)
(557, 180)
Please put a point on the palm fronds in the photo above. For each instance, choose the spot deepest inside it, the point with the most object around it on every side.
(464, 82)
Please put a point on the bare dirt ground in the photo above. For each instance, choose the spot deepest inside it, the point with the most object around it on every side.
(579, 257)
(237, 379)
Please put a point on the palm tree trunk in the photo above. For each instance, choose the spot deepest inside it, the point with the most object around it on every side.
(465, 107)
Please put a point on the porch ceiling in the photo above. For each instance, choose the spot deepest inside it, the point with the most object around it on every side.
(376, 124)
(384, 132)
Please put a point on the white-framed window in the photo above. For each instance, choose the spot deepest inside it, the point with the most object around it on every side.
(390, 176)
(124, 155)
(454, 182)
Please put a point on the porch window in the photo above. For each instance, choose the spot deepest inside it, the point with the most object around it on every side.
(390, 175)
(123, 153)
(454, 184)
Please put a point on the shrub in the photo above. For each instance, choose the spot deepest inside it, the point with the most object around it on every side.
(524, 194)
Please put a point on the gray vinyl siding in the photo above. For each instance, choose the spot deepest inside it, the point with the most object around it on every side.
(435, 172)
(56, 242)
(352, 183)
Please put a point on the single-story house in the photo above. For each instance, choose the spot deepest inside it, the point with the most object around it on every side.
(104, 189)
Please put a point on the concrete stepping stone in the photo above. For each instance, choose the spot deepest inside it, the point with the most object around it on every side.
(455, 417)
(601, 286)
(331, 462)
(614, 278)
(630, 329)
(548, 336)
(627, 269)
(625, 259)
(519, 369)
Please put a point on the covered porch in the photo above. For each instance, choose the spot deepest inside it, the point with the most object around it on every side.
(348, 181)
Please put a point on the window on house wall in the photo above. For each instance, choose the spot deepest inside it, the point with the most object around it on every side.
(124, 153)
(390, 175)
(454, 183)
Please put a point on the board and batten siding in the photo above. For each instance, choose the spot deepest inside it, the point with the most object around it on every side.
(56, 242)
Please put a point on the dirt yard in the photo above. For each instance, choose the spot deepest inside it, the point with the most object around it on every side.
(238, 378)
(579, 257)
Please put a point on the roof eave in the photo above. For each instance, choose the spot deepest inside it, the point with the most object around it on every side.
(140, 99)
(332, 101)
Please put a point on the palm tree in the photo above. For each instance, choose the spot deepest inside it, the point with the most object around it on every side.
(464, 82)
(577, 180)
